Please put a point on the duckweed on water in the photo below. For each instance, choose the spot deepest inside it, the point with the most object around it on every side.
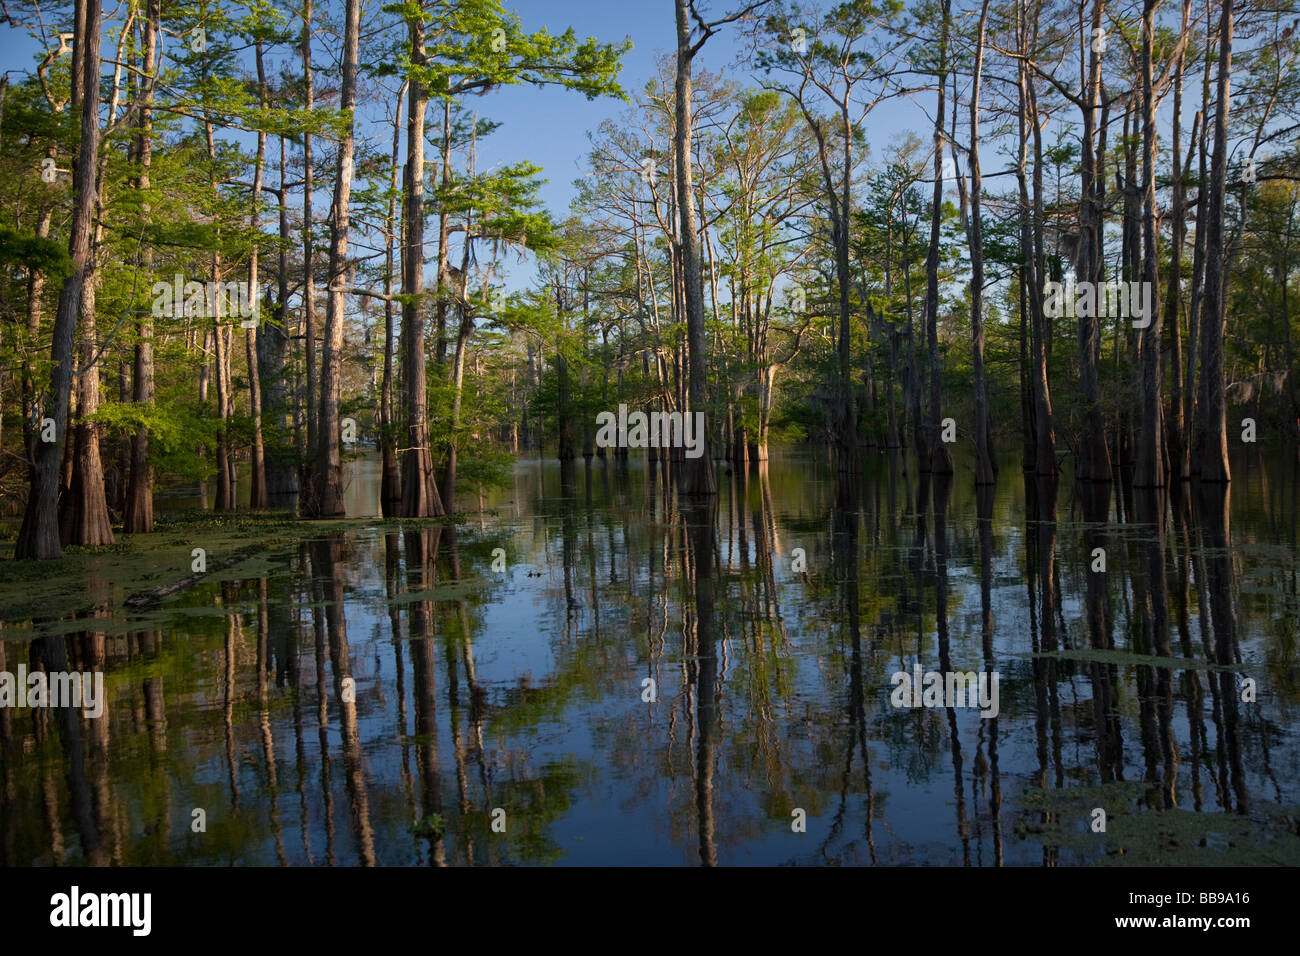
(84, 579)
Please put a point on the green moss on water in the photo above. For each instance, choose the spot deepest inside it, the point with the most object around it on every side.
(1269, 835)
(86, 579)
(450, 592)
(1125, 658)
(431, 825)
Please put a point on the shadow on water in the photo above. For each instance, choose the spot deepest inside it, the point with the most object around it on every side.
(596, 671)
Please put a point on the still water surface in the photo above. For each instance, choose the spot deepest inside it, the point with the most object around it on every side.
(372, 697)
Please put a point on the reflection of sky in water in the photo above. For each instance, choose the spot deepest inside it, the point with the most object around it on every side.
(558, 735)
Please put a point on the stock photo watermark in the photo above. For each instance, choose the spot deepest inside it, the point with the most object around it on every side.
(946, 689)
(76, 909)
(652, 430)
(205, 300)
(1125, 300)
(71, 689)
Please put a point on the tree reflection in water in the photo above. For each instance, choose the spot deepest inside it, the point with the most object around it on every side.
(442, 691)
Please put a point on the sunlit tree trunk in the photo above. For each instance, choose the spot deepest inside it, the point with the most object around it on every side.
(420, 498)
(984, 474)
(390, 492)
(38, 537)
(697, 477)
(329, 465)
(83, 511)
(308, 250)
(83, 514)
(940, 459)
(272, 356)
(137, 517)
(257, 480)
(225, 500)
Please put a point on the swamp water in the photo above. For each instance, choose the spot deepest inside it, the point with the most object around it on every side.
(379, 694)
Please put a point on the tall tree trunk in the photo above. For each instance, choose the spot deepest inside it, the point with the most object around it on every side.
(83, 512)
(466, 326)
(443, 280)
(1045, 466)
(390, 490)
(1032, 270)
(329, 466)
(225, 500)
(122, 468)
(83, 515)
(1130, 271)
(1028, 430)
(563, 412)
(308, 256)
(1177, 429)
(1093, 461)
(940, 457)
(914, 385)
(1194, 381)
(984, 473)
(420, 498)
(1214, 433)
(1150, 464)
(272, 359)
(137, 517)
(697, 477)
(257, 481)
(35, 296)
(38, 537)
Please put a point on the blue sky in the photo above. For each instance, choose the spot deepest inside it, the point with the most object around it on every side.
(550, 126)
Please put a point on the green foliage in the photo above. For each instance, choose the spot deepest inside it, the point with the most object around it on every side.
(176, 434)
(46, 256)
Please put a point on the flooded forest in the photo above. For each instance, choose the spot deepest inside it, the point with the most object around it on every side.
(789, 432)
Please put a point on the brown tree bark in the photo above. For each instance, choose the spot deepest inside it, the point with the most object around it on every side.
(1150, 471)
(137, 517)
(1214, 426)
(696, 477)
(420, 498)
(984, 470)
(464, 328)
(940, 458)
(443, 279)
(564, 416)
(390, 491)
(1177, 430)
(329, 465)
(272, 356)
(225, 500)
(308, 256)
(257, 465)
(1093, 459)
(38, 537)
(35, 297)
(83, 513)
(1032, 269)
